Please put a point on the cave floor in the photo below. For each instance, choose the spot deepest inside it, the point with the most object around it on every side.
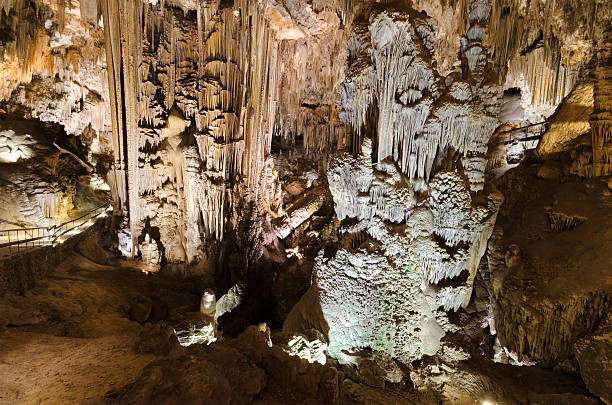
(41, 368)
(71, 338)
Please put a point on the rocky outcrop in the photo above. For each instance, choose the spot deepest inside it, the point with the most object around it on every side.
(594, 354)
(550, 273)
(235, 372)
(44, 175)
(414, 228)
(90, 248)
(569, 121)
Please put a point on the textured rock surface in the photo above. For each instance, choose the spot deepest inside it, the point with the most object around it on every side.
(594, 354)
(570, 121)
(553, 287)
(90, 248)
(414, 236)
(202, 96)
(53, 65)
(44, 175)
(234, 126)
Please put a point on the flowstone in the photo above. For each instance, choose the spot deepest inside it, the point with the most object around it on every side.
(415, 215)
(388, 294)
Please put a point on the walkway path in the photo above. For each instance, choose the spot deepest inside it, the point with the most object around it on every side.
(16, 240)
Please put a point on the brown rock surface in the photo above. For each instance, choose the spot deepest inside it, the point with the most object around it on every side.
(594, 354)
(558, 288)
(90, 248)
(569, 121)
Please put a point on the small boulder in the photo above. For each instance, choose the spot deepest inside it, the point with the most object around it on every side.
(594, 354)
(157, 339)
(90, 249)
(549, 173)
(140, 308)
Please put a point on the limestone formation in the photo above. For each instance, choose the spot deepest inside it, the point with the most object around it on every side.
(314, 201)
(425, 226)
(594, 356)
(554, 291)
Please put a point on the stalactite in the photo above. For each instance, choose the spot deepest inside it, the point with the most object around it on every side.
(544, 61)
(415, 122)
(222, 69)
(601, 119)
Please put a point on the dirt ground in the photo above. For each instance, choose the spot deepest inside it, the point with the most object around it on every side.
(71, 338)
(38, 368)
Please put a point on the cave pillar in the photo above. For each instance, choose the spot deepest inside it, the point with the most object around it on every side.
(601, 119)
(123, 42)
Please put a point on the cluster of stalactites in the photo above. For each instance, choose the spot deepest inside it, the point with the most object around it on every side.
(392, 68)
(28, 51)
(320, 129)
(392, 65)
(546, 80)
(44, 35)
(601, 119)
(216, 71)
(312, 70)
(544, 61)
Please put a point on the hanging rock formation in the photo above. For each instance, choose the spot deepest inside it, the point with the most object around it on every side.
(54, 111)
(53, 64)
(545, 61)
(195, 107)
(418, 222)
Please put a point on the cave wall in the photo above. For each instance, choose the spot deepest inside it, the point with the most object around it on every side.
(54, 110)
(203, 103)
(53, 65)
(196, 90)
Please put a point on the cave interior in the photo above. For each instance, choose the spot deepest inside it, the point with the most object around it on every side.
(306, 202)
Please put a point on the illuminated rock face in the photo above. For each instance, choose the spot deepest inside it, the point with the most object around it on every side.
(52, 71)
(54, 67)
(196, 104)
(426, 227)
(546, 60)
(41, 185)
(420, 115)
(385, 294)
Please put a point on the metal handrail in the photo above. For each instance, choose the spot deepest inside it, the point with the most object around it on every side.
(49, 234)
(529, 129)
(524, 127)
(24, 229)
(87, 217)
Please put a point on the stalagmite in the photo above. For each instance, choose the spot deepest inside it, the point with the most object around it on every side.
(363, 173)
(220, 68)
(601, 119)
